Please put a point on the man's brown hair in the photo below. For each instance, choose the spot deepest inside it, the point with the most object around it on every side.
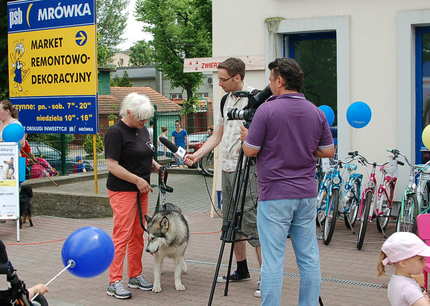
(290, 71)
(233, 66)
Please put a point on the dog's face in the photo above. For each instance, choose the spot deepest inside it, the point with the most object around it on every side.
(158, 227)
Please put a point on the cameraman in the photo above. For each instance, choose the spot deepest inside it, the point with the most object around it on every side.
(231, 74)
(287, 134)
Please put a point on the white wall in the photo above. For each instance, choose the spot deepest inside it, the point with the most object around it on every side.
(372, 58)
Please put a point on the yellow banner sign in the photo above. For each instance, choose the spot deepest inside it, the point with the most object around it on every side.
(55, 62)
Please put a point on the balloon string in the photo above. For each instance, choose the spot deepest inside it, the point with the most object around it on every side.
(71, 263)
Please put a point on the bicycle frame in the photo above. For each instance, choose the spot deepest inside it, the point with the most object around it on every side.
(349, 190)
(423, 178)
(332, 180)
(370, 186)
(387, 180)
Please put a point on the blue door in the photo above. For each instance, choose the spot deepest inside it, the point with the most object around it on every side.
(422, 78)
(316, 54)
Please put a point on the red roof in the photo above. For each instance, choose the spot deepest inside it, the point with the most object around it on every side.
(163, 104)
(110, 104)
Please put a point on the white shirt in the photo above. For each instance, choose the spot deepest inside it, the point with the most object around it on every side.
(403, 291)
(230, 145)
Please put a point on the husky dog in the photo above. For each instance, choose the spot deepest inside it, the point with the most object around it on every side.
(168, 236)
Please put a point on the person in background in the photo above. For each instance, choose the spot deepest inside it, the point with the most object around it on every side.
(406, 253)
(162, 150)
(179, 138)
(8, 115)
(79, 166)
(151, 130)
(129, 155)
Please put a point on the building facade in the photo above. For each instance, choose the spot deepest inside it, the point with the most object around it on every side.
(377, 52)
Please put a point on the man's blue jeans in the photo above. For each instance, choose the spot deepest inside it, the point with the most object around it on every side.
(275, 220)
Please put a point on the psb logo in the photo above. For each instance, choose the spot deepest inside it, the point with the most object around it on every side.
(15, 17)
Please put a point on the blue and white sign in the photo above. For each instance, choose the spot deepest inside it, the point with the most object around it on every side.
(36, 15)
(53, 65)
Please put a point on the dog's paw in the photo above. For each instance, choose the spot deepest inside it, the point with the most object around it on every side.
(156, 289)
(180, 287)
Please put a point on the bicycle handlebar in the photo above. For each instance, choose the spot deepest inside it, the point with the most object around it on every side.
(364, 161)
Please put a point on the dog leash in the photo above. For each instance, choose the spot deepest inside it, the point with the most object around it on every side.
(162, 189)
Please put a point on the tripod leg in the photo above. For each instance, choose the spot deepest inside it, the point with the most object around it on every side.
(221, 252)
(230, 261)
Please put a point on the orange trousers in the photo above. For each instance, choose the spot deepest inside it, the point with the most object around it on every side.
(127, 234)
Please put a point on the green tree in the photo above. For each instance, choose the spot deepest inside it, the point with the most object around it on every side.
(111, 22)
(181, 29)
(142, 53)
(4, 84)
(121, 82)
(88, 144)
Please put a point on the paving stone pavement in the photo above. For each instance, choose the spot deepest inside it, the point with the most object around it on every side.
(349, 275)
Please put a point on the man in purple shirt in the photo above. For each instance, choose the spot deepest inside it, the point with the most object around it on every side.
(287, 134)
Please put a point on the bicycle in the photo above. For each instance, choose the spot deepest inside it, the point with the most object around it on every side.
(328, 200)
(410, 207)
(367, 207)
(352, 191)
(385, 192)
(423, 189)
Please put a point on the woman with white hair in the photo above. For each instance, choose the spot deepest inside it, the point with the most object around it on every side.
(129, 156)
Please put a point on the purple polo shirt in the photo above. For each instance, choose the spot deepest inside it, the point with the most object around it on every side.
(287, 130)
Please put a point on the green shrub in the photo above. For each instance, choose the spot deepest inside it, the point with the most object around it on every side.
(88, 144)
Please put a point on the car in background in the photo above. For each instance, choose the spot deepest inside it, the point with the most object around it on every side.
(53, 157)
(196, 140)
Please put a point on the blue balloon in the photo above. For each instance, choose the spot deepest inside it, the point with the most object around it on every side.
(91, 249)
(358, 114)
(328, 112)
(13, 132)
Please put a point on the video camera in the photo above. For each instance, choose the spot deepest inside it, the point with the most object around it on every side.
(255, 99)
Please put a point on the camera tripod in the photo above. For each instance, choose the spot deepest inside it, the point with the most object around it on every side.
(233, 221)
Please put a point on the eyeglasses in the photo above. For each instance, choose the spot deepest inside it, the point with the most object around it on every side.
(225, 80)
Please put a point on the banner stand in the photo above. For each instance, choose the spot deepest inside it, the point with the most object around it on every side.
(9, 183)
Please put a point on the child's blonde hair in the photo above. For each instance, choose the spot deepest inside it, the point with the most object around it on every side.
(380, 267)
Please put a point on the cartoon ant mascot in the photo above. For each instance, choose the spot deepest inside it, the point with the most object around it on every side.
(18, 65)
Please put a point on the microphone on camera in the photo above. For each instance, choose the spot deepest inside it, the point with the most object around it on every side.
(179, 152)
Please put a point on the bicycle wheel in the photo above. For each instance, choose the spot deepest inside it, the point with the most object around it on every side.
(364, 219)
(330, 219)
(322, 198)
(207, 164)
(382, 220)
(407, 215)
(351, 211)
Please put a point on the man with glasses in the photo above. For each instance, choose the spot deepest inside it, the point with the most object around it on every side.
(231, 74)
